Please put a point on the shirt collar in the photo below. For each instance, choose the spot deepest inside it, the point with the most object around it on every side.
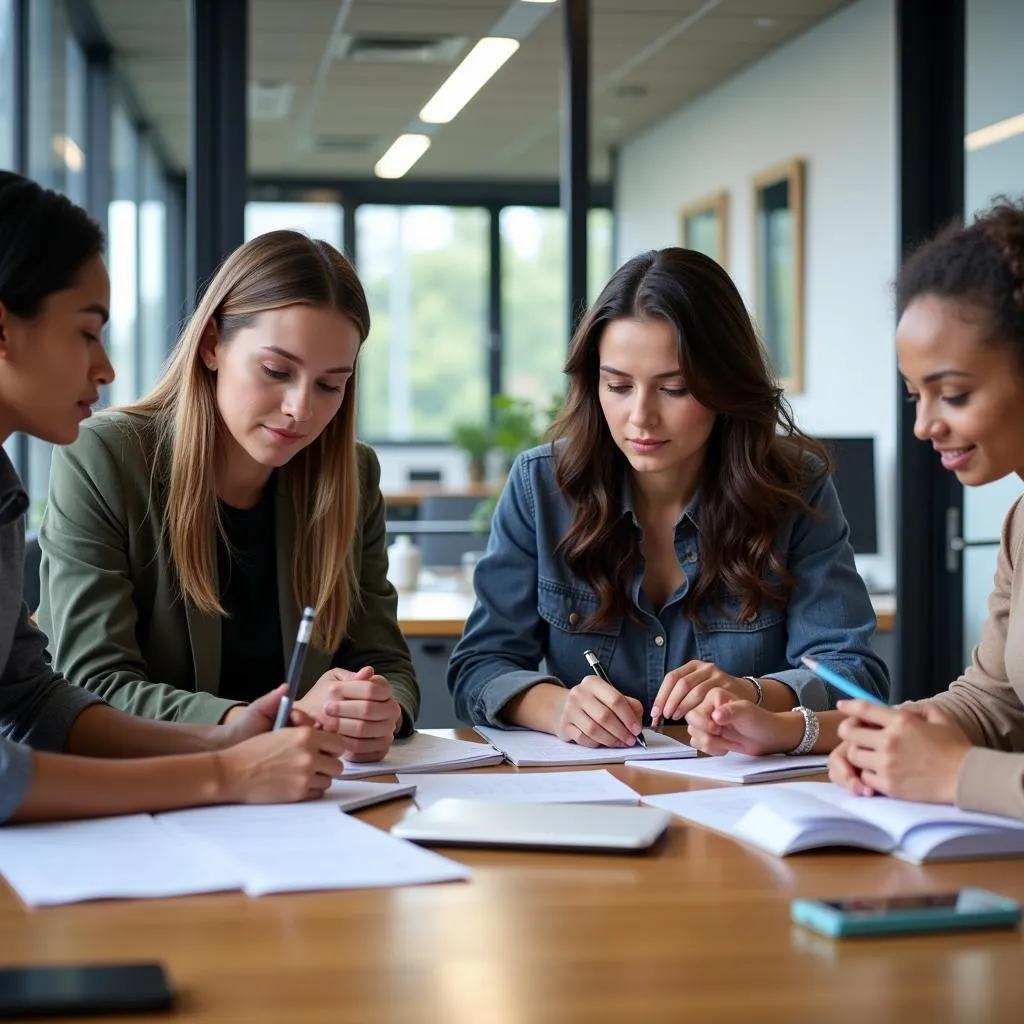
(629, 504)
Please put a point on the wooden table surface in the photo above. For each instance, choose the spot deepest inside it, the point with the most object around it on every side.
(696, 930)
(431, 611)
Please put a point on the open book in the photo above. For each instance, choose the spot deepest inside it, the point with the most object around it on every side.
(795, 816)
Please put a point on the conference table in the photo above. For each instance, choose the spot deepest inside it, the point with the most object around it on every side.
(695, 930)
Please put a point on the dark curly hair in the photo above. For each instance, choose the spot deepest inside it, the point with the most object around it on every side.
(758, 467)
(982, 264)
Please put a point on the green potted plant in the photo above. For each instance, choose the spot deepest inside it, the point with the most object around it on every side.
(476, 440)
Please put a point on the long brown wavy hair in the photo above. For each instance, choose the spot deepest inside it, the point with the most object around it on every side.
(277, 269)
(758, 466)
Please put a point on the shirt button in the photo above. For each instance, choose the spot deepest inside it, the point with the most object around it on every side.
(660, 641)
(574, 618)
(691, 556)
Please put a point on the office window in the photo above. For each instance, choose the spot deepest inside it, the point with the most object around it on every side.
(318, 220)
(535, 329)
(426, 272)
(123, 258)
(56, 156)
(156, 332)
(7, 101)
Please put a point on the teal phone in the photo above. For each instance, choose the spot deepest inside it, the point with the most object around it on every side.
(920, 912)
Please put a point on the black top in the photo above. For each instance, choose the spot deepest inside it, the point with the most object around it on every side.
(251, 652)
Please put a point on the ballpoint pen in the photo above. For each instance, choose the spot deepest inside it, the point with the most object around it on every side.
(594, 662)
(840, 682)
(295, 667)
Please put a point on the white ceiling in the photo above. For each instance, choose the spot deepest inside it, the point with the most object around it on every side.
(648, 57)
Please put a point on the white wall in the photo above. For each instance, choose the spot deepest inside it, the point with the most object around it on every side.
(828, 97)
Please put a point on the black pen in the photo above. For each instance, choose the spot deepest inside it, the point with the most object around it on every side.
(594, 662)
(295, 667)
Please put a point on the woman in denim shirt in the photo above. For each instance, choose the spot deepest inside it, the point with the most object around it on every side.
(679, 525)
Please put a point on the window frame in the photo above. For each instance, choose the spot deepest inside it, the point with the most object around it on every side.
(491, 196)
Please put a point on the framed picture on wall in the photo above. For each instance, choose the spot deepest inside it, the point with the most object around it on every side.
(705, 226)
(779, 268)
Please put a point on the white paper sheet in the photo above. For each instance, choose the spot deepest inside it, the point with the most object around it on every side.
(351, 794)
(296, 847)
(741, 768)
(523, 747)
(108, 858)
(598, 787)
(422, 752)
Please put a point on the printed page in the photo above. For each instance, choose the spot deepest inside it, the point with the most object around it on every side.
(539, 749)
(296, 847)
(598, 787)
(128, 857)
(740, 768)
(422, 752)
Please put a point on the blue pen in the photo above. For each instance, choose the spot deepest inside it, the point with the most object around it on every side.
(295, 667)
(841, 682)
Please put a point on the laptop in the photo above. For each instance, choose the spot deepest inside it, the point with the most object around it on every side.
(457, 822)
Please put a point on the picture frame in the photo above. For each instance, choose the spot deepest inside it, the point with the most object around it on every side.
(779, 231)
(704, 226)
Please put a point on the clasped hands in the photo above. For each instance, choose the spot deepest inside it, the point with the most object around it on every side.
(596, 714)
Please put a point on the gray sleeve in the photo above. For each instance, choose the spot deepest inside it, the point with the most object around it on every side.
(15, 776)
(37, 706)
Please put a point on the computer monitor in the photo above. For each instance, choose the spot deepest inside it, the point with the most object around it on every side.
(853, 473)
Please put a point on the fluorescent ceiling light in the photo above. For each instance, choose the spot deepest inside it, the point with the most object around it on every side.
(993, 133)
(540, 1)
(468, 78)
(401, 155)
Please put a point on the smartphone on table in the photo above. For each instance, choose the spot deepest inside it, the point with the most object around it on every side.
(78, 989)
(918, 912)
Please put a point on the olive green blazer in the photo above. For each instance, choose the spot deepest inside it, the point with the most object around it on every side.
(110, 603)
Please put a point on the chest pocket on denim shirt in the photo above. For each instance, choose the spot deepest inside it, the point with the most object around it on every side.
(743, 646)
(564, 609)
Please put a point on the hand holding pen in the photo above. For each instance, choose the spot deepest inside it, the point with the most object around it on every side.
(595, 714)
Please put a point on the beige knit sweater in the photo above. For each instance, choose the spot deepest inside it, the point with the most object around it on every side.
(988, 699)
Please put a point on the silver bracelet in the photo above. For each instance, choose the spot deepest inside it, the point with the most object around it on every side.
(757, 689)
(811, 730)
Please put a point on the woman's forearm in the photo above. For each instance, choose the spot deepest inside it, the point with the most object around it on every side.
(103, 731)
(538, 708)
(85, 787)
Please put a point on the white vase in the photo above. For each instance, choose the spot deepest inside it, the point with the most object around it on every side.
(404, 561)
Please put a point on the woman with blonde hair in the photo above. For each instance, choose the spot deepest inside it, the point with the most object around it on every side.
(185, 533)
(63, 752)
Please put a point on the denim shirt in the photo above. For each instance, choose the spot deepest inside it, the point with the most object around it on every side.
(525, 627)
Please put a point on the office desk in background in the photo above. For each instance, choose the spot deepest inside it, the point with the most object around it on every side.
(696, 930)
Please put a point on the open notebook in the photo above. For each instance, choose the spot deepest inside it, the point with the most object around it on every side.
(422, 752)
(528, 749)
(794, 816)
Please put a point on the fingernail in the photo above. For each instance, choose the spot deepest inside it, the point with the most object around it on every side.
(656, 711)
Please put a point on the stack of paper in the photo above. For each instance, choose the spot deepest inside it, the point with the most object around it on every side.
(525, 748)
(128, 857)
(598, 787)
(294, 847)
(741, 768)
(421, 752)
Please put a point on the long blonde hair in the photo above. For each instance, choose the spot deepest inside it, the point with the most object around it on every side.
(280, 268)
